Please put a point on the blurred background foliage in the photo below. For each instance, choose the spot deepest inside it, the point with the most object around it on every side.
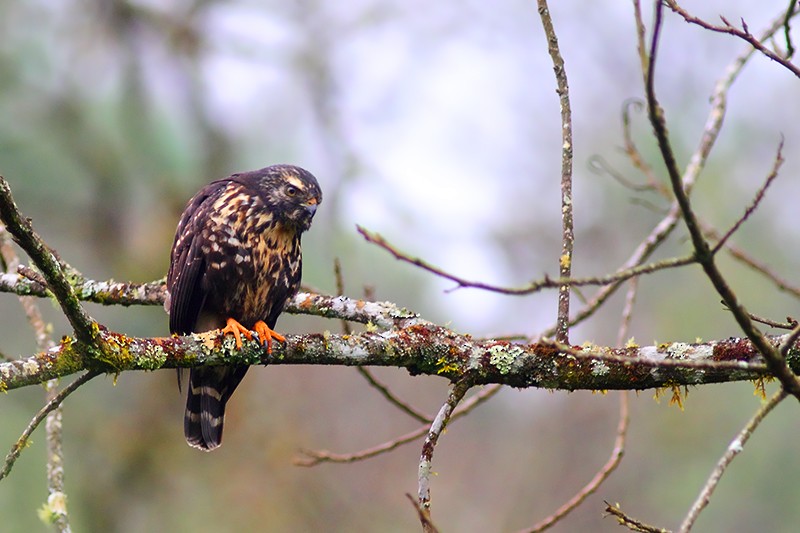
(436, 125)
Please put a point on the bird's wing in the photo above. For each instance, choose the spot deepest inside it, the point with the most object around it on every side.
(188, 264)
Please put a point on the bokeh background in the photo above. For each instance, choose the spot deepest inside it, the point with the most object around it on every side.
(437, 125)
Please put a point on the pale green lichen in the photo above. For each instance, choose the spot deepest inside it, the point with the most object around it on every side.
(678, 350)
(30, 367)
(153, 358)
(54, 508)
(503, 357)
(599, 368)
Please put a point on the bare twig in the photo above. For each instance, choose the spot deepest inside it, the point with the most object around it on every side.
(734, 449)
(22, 442)
(547, 283)
(599, 477)
(314, 457)
(790, 12)
(789, 324)
(424, 516)
(632, 523)
(567, 225)
(763, 269)
(366, 374)
(756, 201)
(457, 391)
(744, 33)
(392, 398)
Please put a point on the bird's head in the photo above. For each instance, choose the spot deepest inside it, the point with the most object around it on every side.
(293, 193)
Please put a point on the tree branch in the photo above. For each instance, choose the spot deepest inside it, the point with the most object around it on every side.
(421, 349)
(567, 224)
(703, 252)
(20, 228)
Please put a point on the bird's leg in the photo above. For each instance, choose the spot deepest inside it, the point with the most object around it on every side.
(266, 334)
(238, 330)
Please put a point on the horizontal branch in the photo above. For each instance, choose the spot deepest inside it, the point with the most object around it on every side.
(421, 348)
(383, 315)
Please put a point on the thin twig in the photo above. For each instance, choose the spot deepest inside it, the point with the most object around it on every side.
(789, 324)
(632, 151)
(547, 283)
(632, 523)
(790, 12)
(391, 398)
(763, 269)
(756, 201)
(599, 477)
(366, 374)
(734, 449)
(600, 166)
(457, 391)
(424, 516)
(314, 457)
(743, 33)
(22, 442)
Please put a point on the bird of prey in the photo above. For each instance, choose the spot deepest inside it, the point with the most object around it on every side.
(235, 261)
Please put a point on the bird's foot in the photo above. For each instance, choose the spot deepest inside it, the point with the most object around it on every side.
(238, 330)
(266, 334)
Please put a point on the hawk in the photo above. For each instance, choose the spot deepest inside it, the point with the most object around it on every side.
(235, 261)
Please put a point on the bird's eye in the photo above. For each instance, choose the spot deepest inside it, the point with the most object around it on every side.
(291, 191)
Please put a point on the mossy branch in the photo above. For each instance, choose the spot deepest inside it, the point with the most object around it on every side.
(421, 348)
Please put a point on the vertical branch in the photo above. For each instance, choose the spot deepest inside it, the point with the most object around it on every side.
(56, 500)
(457, 392)
(567, 228)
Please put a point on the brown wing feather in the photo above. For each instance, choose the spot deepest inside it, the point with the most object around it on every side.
(188, 265)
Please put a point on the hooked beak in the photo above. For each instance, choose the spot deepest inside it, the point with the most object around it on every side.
(311, 206)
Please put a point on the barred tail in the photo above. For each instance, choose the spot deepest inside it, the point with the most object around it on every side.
(209, 391)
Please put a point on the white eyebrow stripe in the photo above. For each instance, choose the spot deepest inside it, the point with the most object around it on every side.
(296, 182)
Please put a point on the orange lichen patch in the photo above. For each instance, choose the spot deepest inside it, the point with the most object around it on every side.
(360, 304)
(307, 303)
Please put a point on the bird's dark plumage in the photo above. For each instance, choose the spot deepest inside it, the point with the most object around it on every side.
(235, 262)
